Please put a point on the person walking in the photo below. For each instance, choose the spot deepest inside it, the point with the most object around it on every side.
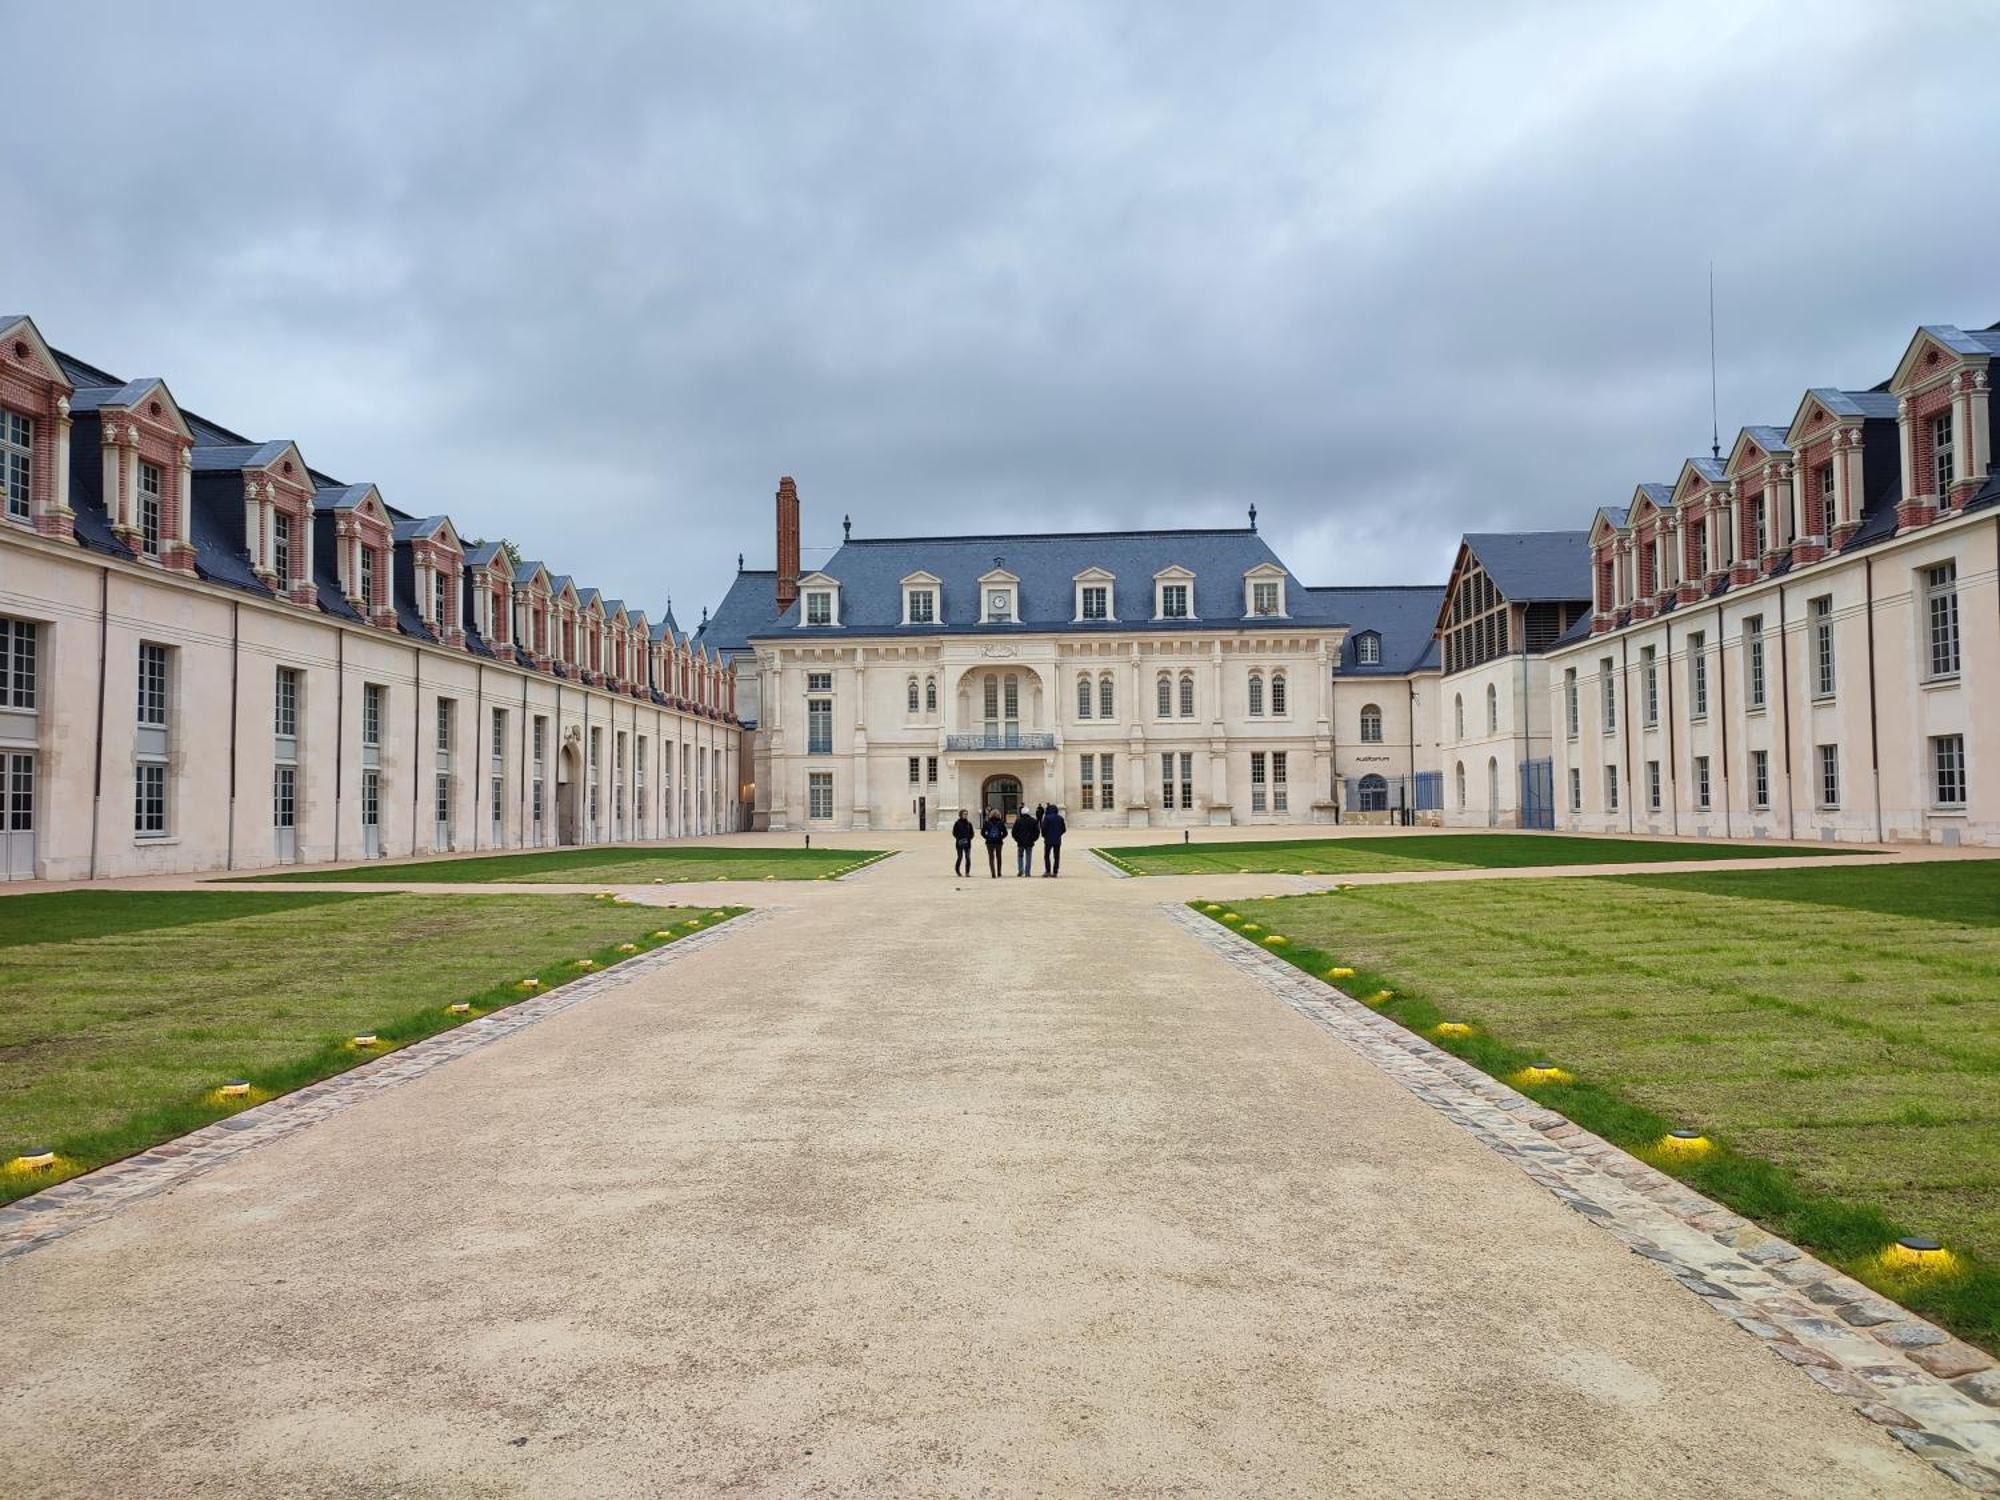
(1054, 826)
(995, 833)
(961, 839)
(1026, 831)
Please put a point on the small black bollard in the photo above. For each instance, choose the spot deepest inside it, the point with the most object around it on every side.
(1184, 836)
(809, 841)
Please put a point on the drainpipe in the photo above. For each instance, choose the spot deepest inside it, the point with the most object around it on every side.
(339, 729)
(478, 741)
(1722, 713)
(526, 766)
(1785, 694)
(1874, 737)
(235, 654)
(1673, 779)
(416, 745)
(1521, 734)
(1625, 729)
(97, 754)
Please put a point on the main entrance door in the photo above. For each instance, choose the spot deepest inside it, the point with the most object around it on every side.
(1002, 792)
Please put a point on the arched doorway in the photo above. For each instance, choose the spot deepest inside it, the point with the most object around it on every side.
(568, 779)
(1003, 792)
(1374, 794)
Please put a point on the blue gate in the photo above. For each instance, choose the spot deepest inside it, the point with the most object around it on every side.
(1430, 791)
(1538, 787)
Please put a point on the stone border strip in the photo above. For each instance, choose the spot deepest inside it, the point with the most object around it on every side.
(1117, 870)
(876, 863)
(1936, 1394)
(47, 1216)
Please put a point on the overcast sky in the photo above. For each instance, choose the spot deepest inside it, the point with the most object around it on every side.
(594, 277)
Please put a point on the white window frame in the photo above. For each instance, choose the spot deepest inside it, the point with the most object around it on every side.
(1756, 691)
(1948, 771)
(1943, 656)
(1760, 780)
(1368, 649)
(1944, 467)
(1829, 776)
(1825, 666)
(819, 796)
(17, 463)
(1703, 788)
(1175, 584)
(150, 507)
(1095, 585)
(1571, 718)
(1697, 654)
(1371, 724)
(20, 655)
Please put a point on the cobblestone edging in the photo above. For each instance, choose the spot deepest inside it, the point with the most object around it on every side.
(874, 864)
(47, 1216)
(1939, 1396)
(1117, 870)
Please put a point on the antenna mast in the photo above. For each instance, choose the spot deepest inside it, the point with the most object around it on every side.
(1714, 420)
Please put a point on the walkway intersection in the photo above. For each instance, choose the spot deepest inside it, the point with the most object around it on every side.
(917, 1185)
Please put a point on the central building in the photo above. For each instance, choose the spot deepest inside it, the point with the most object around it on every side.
(1135, 678)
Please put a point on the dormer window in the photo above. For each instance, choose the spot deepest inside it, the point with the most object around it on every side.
(999, 597)
(437, 600)
(149, 508)
(1096, 602)
(923, 607)
(17, 463)
(1173, 601)
(819, 607)
(1263, 598)
(1942, 469)
(367, 576)
(1264, 592)
(1368, 649)
(281, 547)
(1000, 606)
(819, 601)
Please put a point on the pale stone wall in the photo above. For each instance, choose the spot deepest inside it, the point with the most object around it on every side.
(1491, 755)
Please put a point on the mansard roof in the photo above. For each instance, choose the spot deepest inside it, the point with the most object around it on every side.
(1401, 615)
(750, 606)
(870, 572)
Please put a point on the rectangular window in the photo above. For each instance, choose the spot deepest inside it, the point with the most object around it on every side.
(923, 607)
(149, 509)
(1760, 528)
(1257, 781)
(1948, 770)
(1941, 618)
(285, 716)
(371, 714)
(281, 547)
(1087, 783)
(1575, 789)
(1278, 782)
(284, 796)
(441, 803)
(1167, 780)
(1753, 662)
(1649, 677)
(1760, 779)
(916, 770)
(1829, 775)
(930, 770)
(819, 726)
(1821, 610)
(1652, 786)
(1698, 674)
(149, 799)
(1187, 779)
(1263, 598)
(1942, 468)
(1173, 601)
(444, 708)
(152, 685)
(1104, 764)
(819, 608)
(1570, 715)
(1096, 602)
(371, 798)
(1701, 791)
(367, 577)
(1611, 788)
(438, 616)
(1828, 514)
(18, 642)
(17, 463)
(819, 790)
(1608, 687)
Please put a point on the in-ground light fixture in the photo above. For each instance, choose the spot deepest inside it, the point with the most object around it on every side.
(1453, 1028)
(235, 1088)
(34, 1160)
(1686, 1142)
(367, 1039)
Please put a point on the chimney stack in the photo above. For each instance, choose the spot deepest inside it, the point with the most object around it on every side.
(788, 542)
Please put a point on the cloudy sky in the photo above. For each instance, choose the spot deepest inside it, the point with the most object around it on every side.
(594, 277)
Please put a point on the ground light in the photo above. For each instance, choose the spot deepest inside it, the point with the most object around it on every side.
(1544, 1072)
(1340, 972)
(459, 1008)
(39, 1159)
(1686, 1142)
(367, 1039)
(235, 1088)
(1919, 1252)
(1453, 1028)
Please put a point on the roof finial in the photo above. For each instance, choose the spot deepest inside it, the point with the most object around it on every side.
(1253, 515)
(846, 527)
(739, 562)
(704, 617)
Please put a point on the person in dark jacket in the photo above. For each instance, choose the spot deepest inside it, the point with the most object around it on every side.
(995, 833)
(961, 839)
(1054, 826)
(1026, 831)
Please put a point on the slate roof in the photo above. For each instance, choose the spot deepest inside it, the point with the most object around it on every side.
(1876, 403)
(1966, 340)
(750, 606)
(1530, 567)
(870, 572)
(1770, 439)
(90, 398)
(1401, 614)
(208, 457)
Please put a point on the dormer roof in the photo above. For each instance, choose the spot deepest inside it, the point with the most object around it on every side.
(1947, 339)
(20, 328)
(128, 397)
(425, 529)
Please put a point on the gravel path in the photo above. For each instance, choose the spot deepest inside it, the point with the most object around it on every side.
(920, 1187)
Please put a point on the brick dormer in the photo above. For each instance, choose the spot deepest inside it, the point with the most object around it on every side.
(352, 519)
(1943, 386)
(142, 487)
(1702, 498)
(1760, 469)
(533, 630)
(617, 644)
(34, 433)
(430, 567)
(1607, 532)
(489, 597)
(565, 630)
(261, 496)
(1844, 453)
(590, 635)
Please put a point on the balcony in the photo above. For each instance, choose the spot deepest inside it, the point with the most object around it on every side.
(1004, 739)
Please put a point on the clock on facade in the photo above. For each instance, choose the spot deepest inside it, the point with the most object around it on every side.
(996, 602)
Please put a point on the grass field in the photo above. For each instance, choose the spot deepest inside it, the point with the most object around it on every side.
(121, 1011)
(614, 865)
(1835, 1031)
(1389, 853)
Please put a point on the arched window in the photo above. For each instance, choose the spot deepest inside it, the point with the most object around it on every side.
(1083, 698)
(1458, 777)
(930, 695)
(1106, 701)
(1371, 723)
(1374, 794)
(1187, 695)
(1278, 693)
(1256, 694)
(1492, 709)
(1166, 704)
(913, 695)
(1458, 723)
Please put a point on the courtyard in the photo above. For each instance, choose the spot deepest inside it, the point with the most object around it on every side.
(953, 1186)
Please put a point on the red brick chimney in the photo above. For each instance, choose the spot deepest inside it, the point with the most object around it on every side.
(788, 542)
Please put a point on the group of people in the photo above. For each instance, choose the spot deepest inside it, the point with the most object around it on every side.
(1045, 825)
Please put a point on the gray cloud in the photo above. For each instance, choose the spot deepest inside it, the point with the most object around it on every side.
(593, 277)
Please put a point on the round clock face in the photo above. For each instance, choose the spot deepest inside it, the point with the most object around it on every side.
(997, 602)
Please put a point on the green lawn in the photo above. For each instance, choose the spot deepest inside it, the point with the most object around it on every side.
(614, 865)
(1835, 1031)
(121, 1011)
(1389, 853)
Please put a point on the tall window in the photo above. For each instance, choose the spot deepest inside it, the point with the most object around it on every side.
(371, 798)
(285, 714)
(1941, 618)
(149, 509)
(916, 770)
(1278, 782)
(1760, 779)
(152, 686)
(1652, 786)
(1575, 789)
(1106, 700)
(1492, 709)
(1084, 698)
(1828, 514)
(1607, 686)
(1368, 649)
(1165, 695)
(1187, 695)
(496, 773)
(1649, 681)
(1701, 793)
(18, 640)
(819, 795)
(1167, 780)
(930, 695)
(17, 463)
(1942, 468)
(281, 546)
(1570, 717)
(1759, 527)
(1259, 783)
(367, 577)
(1087, 783)
(149, 799)
(1278, 693)
(1753, 660)
(1173, 601)
(444, 707)
(912, 697)
(1010, 698)
(1829, 775)
(1821, 610)
(1610, 787)
(1371, 724)
(1458, 716)
(1458, 784)
(1105, 763)
(1698, 674)
(819, 712)
(1187, 779)
(1948, 770)
(371, 715)
(1096, 601)
(285, 796)
(1256, 694)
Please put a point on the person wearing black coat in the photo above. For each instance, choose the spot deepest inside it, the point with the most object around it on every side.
(995, 833)
(1026, 831)
(1054, 826)
(961, 839)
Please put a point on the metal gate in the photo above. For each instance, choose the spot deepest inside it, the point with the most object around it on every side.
(1538, 802)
